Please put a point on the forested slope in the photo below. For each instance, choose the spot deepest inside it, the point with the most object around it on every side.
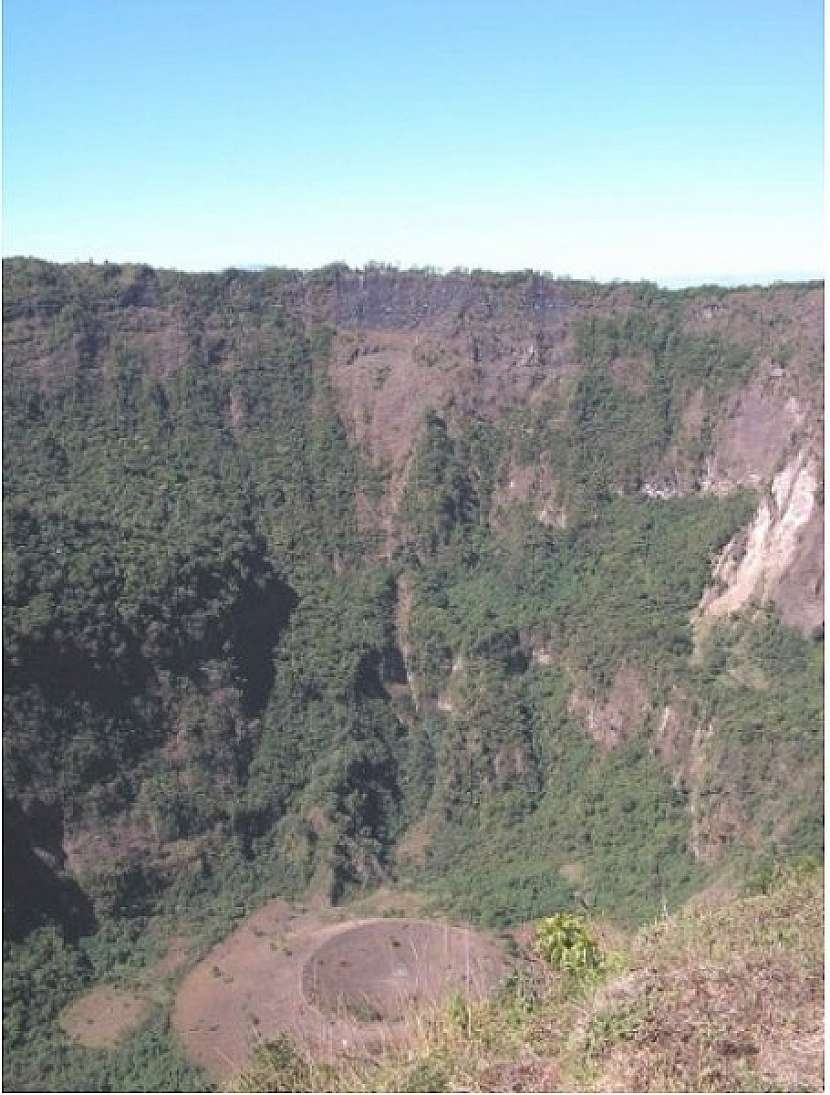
(504, 588)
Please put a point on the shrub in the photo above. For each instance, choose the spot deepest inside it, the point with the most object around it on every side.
(278, 1066)
(427, 1075)
(565, 944)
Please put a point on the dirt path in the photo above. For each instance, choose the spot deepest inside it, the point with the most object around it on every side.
(335, 987)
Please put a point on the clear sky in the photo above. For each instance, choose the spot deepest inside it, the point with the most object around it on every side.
(679, 140)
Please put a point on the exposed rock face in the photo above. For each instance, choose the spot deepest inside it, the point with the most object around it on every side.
(403, 616)
(800, 593)
(683, 743)
(460, 344)
(410, 343)
(751, 442)
(783, 541)
(534, 483)
(623, 712)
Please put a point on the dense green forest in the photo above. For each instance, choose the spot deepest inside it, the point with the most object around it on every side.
(217, 669)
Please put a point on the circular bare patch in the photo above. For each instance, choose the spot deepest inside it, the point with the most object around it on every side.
(342, 987)
(387, 969)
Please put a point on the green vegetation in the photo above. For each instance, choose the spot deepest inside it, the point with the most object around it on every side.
(566, 944)
(218, 688)
(39, 979)
(763, 685)
(280, 1065)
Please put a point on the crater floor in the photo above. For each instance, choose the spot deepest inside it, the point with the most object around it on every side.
(336, 988)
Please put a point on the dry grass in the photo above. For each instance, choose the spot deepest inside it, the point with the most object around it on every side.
(714, 999)
(729, 999)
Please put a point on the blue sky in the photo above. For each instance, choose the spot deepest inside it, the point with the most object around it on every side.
(674, 140)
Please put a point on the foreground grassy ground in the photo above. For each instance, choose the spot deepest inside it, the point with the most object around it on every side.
(721, 997)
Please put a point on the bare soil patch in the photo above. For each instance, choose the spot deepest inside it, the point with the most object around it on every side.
(104, 1016)
(178, 952)
(347, 988)
(383, 970)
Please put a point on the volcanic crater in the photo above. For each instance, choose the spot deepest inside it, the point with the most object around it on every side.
(349, 987)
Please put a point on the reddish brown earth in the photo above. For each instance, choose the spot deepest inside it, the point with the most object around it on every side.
(336, 988)
(103, 1016)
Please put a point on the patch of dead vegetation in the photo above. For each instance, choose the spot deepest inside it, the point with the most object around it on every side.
(532, 483)
(783, 326)
(709, 1027)
(725, 999)
(386, 381)
(526, 1074)
(413, 847)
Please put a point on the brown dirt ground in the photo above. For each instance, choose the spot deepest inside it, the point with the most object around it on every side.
(385, 969)
(335, 988)
(103, 1016)
(178, 952)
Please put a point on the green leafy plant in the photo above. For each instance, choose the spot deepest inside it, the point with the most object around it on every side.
(521, 994)
(565, 943)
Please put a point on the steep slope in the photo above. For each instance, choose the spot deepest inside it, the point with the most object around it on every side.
(502, 587)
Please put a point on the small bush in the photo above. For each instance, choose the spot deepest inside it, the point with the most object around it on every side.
(565, 944)
(617, 1025)
(278, 1066)
(427, 1075)
(771, 876)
